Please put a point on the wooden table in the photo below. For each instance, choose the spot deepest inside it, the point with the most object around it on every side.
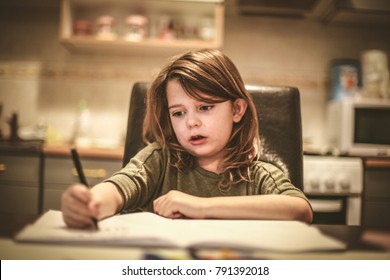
(362, 243)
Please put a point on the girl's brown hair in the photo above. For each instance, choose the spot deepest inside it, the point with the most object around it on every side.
(212, 73)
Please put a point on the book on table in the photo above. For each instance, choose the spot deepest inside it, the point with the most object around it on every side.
(147, 229)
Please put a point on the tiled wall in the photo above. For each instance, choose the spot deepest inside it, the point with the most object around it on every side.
(43, 81)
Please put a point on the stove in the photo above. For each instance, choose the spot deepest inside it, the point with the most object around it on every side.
(334, 186)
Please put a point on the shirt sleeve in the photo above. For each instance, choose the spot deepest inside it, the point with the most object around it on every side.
(139, 181)
(271, 180)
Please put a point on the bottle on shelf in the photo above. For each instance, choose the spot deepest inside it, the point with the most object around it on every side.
(82, 137)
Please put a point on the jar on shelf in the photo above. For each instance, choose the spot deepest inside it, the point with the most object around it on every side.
(207, 29)
(190, 28)
(106, 28)
(166, 28)
(137, 26)
(82, 27)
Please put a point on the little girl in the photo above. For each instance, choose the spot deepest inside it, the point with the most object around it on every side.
(201, 160)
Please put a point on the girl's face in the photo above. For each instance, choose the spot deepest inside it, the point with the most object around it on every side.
(203, 129)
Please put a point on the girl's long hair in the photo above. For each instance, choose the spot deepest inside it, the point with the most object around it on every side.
(212, 73)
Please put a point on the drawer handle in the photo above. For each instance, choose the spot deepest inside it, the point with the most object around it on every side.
(2, 167)
(92, 173)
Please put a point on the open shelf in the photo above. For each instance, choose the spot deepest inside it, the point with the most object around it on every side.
(185, 14)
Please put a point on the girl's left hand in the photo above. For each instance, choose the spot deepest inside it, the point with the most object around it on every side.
(176, 204)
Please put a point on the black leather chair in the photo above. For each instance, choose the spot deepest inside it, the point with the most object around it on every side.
(279, 114)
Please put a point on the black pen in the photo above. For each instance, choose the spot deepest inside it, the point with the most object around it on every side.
(80, 173)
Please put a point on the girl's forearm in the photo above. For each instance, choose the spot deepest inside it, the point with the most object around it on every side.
(270, 207)
(109, 198)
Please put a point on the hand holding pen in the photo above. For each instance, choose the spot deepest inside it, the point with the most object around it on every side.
(83, 180)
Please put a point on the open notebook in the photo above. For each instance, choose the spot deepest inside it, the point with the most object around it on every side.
(148, 229)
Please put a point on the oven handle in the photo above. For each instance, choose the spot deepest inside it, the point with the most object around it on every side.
(326, 206)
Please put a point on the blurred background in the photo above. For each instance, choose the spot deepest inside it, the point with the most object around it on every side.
(43, 81)
(67, 69)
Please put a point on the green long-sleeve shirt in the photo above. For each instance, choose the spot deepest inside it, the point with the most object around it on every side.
(149, 175)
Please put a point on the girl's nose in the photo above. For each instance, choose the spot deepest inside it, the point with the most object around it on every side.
(193, 121)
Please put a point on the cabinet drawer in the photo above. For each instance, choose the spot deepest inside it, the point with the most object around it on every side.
(60, 171)
(377, 183)
(52, 197)
(19, 200)
(19, 169)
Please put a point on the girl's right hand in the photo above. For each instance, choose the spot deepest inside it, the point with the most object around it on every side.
(79, 207)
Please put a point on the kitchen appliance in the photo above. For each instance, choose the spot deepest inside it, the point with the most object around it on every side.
(334, 186)
(359, 126)
(375, 74)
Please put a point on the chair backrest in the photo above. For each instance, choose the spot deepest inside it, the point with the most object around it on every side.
(279, 114)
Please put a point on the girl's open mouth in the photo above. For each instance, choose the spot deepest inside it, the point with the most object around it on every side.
(197, 139)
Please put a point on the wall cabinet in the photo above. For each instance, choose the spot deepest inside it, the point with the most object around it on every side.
(192, 25)
(59, 174)
(361, 12)
(346, 12)
(20, 183)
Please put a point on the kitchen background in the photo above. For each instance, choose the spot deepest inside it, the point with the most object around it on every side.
(43, 81)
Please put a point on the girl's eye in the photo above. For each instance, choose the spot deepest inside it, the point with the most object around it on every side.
(177, 114)
(206, 107)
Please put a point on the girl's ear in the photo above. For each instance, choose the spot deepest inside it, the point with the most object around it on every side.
(239, 108)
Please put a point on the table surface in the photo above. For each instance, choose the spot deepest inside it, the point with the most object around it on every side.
(362, 243)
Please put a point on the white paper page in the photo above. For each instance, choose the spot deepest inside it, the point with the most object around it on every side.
(141, 229)
(287, 236)
(148, 229)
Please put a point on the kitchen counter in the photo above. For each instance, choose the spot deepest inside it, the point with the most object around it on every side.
(38, 146)
(21, 147)
(116, 153)
(377, 162)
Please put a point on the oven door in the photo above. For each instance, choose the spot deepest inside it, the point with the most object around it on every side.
(329, 209)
